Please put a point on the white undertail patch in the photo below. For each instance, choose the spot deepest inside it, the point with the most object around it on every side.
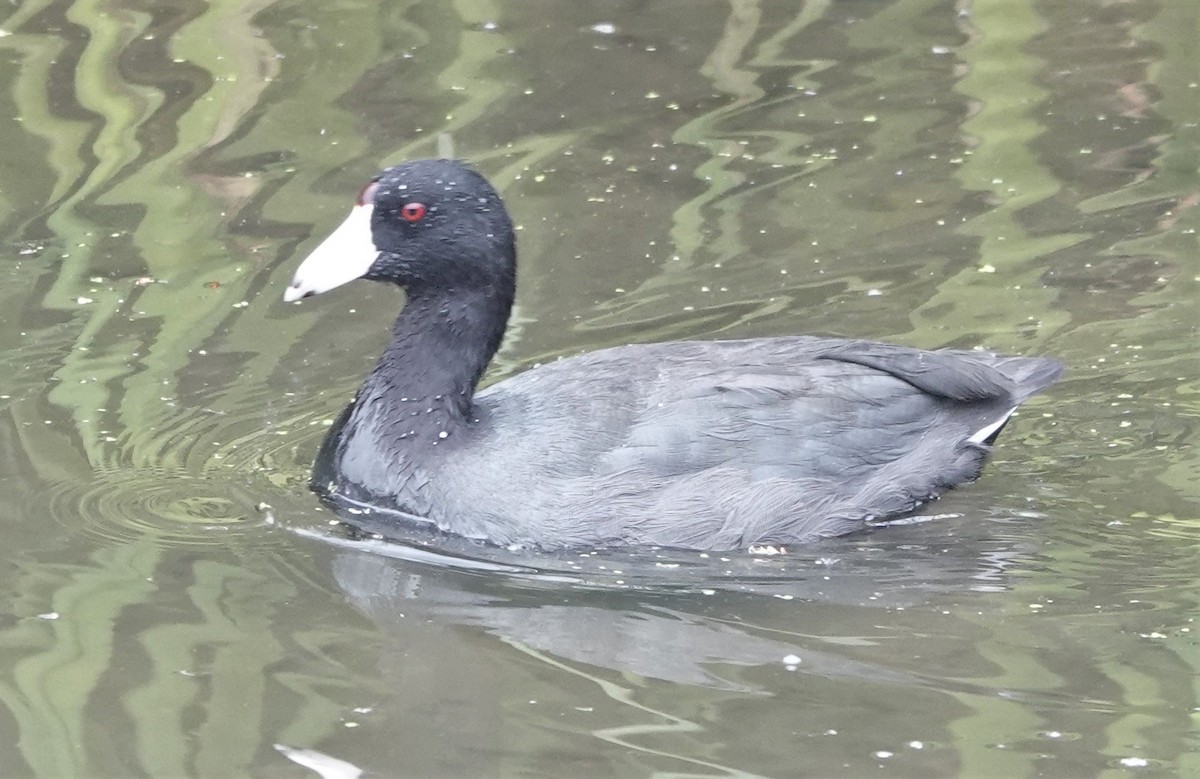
(984, 433)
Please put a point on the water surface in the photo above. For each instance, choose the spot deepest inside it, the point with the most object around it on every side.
(1013, 174)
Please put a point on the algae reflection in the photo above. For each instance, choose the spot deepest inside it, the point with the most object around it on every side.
(174, 194)
(903, 169)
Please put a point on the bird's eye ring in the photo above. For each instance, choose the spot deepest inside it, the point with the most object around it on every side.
(412, 212)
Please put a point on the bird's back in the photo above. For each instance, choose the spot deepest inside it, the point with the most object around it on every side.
(721, 444)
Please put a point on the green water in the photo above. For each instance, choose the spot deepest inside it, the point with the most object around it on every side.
(1020, 175)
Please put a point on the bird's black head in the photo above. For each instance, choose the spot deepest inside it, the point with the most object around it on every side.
(427, 225)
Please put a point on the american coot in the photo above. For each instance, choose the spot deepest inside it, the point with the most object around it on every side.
(699, 444)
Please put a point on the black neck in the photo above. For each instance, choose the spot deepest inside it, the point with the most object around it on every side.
(441, 344)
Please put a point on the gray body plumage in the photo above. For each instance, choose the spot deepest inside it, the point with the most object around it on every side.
(708, 445)
(701, 444)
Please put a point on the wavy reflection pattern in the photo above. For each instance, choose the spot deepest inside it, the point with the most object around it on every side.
(162, 194)
(740, 168)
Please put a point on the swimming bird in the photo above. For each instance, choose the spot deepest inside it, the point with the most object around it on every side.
(692, 444)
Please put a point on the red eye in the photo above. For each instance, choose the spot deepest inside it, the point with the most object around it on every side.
(412, 212)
